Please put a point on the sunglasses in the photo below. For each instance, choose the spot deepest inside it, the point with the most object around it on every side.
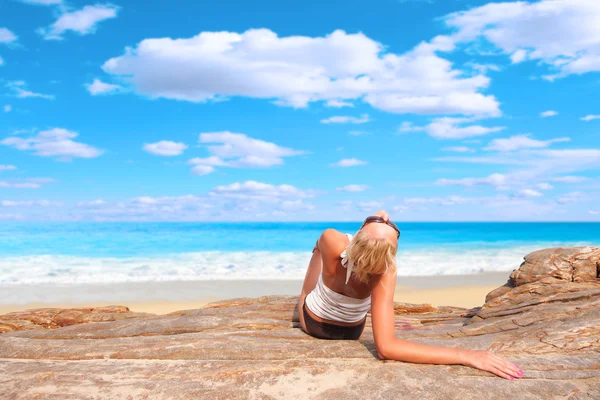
(376, 218)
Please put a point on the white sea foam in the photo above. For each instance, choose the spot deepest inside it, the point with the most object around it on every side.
(215, 265)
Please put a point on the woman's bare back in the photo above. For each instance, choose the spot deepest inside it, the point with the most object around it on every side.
(334, 273)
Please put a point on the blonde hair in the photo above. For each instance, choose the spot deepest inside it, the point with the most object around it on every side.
(371, 256)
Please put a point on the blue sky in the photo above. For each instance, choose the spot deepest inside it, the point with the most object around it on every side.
(299, 110)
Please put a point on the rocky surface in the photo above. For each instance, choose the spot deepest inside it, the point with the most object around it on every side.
(546, 319)
(53, 318)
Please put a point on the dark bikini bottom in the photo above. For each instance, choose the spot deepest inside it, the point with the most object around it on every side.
(323, 330)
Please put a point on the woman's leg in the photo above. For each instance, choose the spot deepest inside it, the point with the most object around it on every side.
(315, 266)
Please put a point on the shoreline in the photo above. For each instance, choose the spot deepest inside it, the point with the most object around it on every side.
(164, 297)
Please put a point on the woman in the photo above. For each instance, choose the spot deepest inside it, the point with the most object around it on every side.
(348, 275)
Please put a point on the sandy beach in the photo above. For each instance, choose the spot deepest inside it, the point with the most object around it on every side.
(164, 297)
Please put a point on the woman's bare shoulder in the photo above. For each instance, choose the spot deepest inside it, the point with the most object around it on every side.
(332, 241)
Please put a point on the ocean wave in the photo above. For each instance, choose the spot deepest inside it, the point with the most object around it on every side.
(214, 265)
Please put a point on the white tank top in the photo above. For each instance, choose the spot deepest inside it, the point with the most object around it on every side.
(333, 306)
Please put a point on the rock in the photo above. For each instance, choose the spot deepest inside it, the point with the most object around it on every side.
(573, 264)
(53, 318)
(253, 349)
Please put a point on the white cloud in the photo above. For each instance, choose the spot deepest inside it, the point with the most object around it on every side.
(459, 149)
(539, 165)
(591, 212)
(518, 56)
(588, 118)
(570, 179)
(544, 186)
(349, 162)
(237, 150)
(353, 188)
(559, 160)
(450, 128)
(91, 203)
(99, 87)
(370, 206)
(41, 180)
(297, 70)
(169, 201)
(205, 166)
(338, 103)
(522, 142)
(11, 217)
(409, 127)
(43, 2)
(55, 142)
(251, 152)
(248, 200)
(364, 118)
(18, 89)
(523, 180)
(345, 204)
(569, 198)
(7, 108)
(146, 208)
(29, 203)
(202, 170)
(29, 183)
(6, 36)
(574, 159)
(522, 205)
(482, 68)
(400, 208)
(21, 131)
(11, 84)
(295, 205)
(23, 94)
(82, 21)
(212, 161)
(7, 167)
(496, 180)
(528, 193)
(482, 160)
(165, 148)
(549, 113)
(19, 185)
(253, 190)
(520, 29)
(444, 201)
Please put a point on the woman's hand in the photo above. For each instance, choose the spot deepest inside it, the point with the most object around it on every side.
(488, 361)
(383, 214)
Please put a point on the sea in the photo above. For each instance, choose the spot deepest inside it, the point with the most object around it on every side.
(121, 252)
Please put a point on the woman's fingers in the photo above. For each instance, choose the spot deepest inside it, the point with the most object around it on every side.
(383, 214)
(513, 370)
(508, 368)
(500, 373)
(488, 361)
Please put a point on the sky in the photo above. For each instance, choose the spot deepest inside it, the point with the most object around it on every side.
(453, 110)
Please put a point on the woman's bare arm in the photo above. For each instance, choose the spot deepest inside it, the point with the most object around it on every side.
(328, 243)
(392, 348)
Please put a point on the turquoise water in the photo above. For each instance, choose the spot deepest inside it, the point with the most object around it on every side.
(122, 252)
